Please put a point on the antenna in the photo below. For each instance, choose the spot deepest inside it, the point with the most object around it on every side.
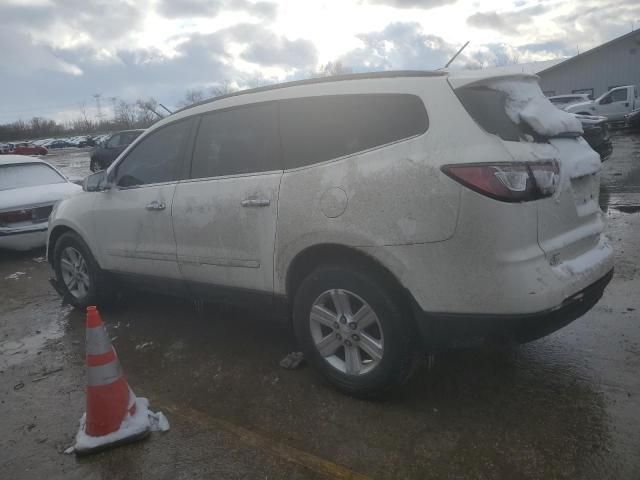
(456, 55)
(170, 112)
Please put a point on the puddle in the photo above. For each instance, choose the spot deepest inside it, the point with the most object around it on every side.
(627, 208)
(13, 352)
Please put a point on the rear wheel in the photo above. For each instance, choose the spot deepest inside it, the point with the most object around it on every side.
(78, 275)
(353, 330)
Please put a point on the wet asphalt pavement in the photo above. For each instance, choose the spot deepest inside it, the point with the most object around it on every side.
(566, 406)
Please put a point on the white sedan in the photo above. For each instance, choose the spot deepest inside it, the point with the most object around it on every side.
(29, 188)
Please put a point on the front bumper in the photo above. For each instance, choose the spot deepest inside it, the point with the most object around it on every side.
(441, 331)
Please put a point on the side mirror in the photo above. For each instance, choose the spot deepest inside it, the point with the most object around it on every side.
(97, 182)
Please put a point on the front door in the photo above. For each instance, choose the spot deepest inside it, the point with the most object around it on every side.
(224, 217)
(615, 104)
(132, 220)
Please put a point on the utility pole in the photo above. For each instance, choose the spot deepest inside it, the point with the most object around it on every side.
(114, 101)
(99, 115)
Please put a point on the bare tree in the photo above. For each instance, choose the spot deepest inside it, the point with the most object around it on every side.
(191, 96)
(147, 112)
(224, 88)
(125, 114)
(332, 69)
(503, 59)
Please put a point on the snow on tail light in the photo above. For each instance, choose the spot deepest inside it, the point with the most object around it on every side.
(507, 182)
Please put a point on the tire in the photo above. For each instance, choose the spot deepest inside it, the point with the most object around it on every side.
(71, 248)
(390, 328)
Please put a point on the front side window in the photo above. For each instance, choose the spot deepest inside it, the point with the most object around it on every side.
(238, 141)
(619, 95)
(316, 129)
(156, 159)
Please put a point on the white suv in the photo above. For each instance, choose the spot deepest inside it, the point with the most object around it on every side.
(389, 212)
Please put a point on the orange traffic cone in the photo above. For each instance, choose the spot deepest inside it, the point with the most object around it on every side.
(114, 415)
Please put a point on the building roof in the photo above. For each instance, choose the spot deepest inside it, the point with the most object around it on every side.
(527, 68)
(569, 60)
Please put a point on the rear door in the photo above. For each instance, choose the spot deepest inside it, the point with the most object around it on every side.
(132, 220)
(224, 216)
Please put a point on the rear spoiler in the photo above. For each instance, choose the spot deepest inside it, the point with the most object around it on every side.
(475, 78)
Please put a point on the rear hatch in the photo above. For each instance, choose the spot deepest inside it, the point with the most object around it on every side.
(534, 130)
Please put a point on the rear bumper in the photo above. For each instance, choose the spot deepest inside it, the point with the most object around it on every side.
(24, 239)
(440, 331)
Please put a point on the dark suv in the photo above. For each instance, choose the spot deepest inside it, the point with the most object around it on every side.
(104, 154)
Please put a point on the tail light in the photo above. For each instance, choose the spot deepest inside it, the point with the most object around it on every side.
(15, 216)
(507, 182)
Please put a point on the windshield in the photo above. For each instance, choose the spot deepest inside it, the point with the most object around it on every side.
(28, 175)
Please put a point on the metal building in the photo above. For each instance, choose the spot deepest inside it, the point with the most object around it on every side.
(596, 71)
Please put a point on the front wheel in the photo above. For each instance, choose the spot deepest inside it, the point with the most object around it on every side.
(79, 277)
(353, 329)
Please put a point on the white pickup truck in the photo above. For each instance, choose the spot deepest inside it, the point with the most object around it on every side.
(613, 105)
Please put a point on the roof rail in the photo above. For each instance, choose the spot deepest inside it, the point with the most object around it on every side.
(333, 78)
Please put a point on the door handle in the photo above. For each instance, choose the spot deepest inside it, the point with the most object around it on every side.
(156, 205)
(256, 202)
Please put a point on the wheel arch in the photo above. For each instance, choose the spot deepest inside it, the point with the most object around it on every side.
(55, 234)
(314, 256)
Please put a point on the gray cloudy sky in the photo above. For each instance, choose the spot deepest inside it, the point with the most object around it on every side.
(57, 53)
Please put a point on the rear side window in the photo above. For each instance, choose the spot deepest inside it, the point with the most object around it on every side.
(316, 129)
(487, 107)
(238, 141)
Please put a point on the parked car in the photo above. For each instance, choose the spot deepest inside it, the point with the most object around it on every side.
(29, 188)
(4, 148)
(613, 105)
(596, 133)
(352, 203)
(103, 155)
(632, 119)
(28, 149)
(562, 101)
(59, 144)
(87, 141)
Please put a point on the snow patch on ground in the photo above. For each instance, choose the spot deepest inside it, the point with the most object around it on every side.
(15, 276)
(526, 103)
(141, 421)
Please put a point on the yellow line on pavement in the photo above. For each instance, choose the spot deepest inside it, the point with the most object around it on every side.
(275, 448)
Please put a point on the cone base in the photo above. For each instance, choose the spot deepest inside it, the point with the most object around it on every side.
(80, 451)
